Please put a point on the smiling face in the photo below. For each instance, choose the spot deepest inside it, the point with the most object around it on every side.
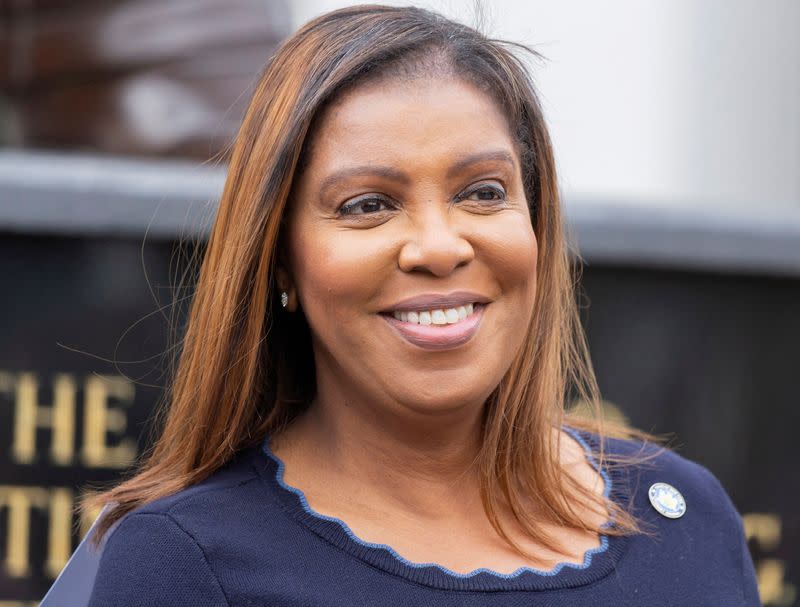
(412, 189)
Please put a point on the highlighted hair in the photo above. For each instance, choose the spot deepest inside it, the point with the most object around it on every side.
(246, 368)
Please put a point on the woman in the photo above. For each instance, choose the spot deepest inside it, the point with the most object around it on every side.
(369, 405)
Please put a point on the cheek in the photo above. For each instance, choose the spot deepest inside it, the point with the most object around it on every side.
(336, 272)
(511, 252)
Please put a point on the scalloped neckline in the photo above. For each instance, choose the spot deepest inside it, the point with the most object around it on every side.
(562, 575)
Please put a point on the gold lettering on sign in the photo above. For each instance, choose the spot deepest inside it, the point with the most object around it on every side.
(30, 415)
(19, 501)
(44, 432)
(766, 529)
(772, 586)
(58, 503)
(59, 543)
(100, 419)
(763, 528)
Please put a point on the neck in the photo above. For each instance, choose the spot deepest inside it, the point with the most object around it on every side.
(418, 461)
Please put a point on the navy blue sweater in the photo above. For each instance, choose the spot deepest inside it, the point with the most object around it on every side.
(245, 538)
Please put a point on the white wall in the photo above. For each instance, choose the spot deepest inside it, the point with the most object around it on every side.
(659, 101)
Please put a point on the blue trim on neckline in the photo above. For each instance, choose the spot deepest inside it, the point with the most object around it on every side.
(587, 557)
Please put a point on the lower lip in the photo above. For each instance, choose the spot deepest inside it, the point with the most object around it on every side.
(439, 337)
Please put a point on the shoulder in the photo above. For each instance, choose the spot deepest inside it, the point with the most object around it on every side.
(631, 467)
(149, 559)
(215, 508)
(170, 551)
(642, 464)
(225, 486)
(710, 529)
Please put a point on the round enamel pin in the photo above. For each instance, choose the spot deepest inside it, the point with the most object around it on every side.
(667, 500)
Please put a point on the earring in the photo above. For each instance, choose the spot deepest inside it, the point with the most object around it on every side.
(284, 298)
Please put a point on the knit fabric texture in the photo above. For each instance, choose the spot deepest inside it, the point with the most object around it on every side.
(243, 537)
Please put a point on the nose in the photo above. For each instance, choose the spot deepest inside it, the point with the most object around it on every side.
(435, 244)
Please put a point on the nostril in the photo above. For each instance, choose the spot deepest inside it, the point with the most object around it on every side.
(438, 252)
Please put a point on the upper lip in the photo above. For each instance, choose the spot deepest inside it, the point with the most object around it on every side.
(434, 301)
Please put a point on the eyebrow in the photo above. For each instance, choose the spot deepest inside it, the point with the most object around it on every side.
(367, 170)
(371, 170)
(494, 155)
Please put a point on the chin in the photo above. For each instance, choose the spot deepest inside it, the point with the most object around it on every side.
(443, 397)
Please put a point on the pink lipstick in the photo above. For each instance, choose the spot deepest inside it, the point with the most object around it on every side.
(435, 336)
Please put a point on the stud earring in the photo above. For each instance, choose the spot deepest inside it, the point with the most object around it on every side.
(284, 298)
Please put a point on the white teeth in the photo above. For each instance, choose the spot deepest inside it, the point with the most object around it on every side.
(447, 316)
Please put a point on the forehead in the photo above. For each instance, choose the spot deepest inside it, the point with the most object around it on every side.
(408, 121)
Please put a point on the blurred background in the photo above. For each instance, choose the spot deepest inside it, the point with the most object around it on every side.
(676, 126)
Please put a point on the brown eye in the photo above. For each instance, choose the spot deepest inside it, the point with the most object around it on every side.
(484, 193)
(363, 206)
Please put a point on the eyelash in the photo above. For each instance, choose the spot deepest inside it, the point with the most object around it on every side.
(498, 191)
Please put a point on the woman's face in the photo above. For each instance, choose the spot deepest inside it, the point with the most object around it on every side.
(412, 202)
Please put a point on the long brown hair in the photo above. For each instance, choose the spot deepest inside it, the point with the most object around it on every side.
(246, 368)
